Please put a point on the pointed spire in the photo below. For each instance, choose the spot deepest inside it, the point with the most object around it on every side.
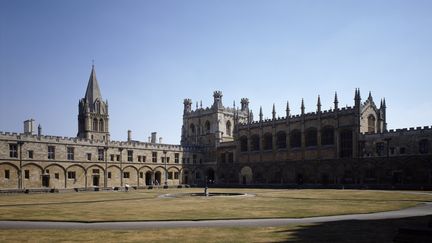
(201, 104)
(274, 112)
(384, 103)
(234, 104)
(319, 104)
(370, 96)
(197, 105)
(336, 102)
(251, 117)
(287, 109)
(302, 107)
(93, 92)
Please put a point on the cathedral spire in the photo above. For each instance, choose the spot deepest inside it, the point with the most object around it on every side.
(274, 112)
(336, 102)
(319, 104)
(93, 92)
(287, 110)
(302, 107)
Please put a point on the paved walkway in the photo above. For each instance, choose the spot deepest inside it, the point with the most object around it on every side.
(419, 210)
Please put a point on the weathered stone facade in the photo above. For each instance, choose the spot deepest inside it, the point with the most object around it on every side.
(224, 145)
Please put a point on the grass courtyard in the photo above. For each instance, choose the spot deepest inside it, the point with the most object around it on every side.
(145, 205)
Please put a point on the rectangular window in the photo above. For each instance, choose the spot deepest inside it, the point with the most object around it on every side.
(139, 158)
(167, 158)
(141, 175)
(13, 150)
(163, 159)
(154, 157)
(56, 175)
(51, 152)
(112, 157)
(183, 160)
(194, 158)
(401, 150)
(26, 174)
(118, 157)
(126, 175)
(130, 155)
(176, 175)
(7, 174)
(95, 171)
(88, 156)
(30, 154)
(170, 175)
(176, 158)
(71, 175)
(188, 160)
(109, 174)
(222, 158)
(144, 159)
(101, 155)
(70, 153)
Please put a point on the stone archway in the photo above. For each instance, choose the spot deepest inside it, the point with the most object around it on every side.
(148, 178)
(158, 177)
(210, 174)
(245, 175)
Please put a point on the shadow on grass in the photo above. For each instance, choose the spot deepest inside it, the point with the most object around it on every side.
(353, 230)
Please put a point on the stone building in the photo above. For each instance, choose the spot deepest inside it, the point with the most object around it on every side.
(348, 146)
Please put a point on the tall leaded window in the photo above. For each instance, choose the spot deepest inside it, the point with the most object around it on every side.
(192, 129)
(130, 155)
(424, 146)
(13, 150)
(154, 157)
(95, 124)
(295, 139)
(101, 125)
(207, 126)
(371, 124)
(101, 154)
(327, 136)
(228, 128)
(51, 152)
(281, 140)
(70, 153)
(176, 158)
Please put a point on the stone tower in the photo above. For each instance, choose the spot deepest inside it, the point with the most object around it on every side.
(212, 125)
(93, 112)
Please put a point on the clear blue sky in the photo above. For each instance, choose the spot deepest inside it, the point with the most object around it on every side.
(150, 55)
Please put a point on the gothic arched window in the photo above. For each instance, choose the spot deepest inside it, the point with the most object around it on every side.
(192, 129)
(95, 124)
(207, 126)
(101, 125)
(371, 124)
(228, 128)
(346, 144)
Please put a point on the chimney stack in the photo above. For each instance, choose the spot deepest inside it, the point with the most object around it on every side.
(153, 137)
(39, 130)
(29, 127)
(129, 137)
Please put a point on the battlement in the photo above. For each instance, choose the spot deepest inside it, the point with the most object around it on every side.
(412, 131)
(82, 141)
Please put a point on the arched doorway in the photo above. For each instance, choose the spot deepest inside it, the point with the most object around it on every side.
(246, 175)
(158, 177)
(148, 178)
(210, 175)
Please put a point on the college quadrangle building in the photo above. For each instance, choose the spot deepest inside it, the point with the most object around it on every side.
(348, 146)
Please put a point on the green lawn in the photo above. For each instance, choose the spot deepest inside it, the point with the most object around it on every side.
(343, 231)
(145, 204)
